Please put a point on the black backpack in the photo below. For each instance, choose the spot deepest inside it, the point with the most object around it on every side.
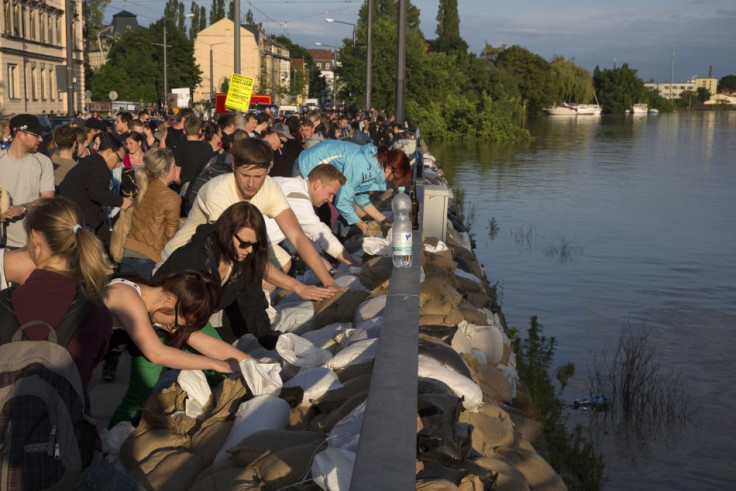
(218, 166)
(46, 437)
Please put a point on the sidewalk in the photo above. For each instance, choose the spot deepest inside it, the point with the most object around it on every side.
(105, 396)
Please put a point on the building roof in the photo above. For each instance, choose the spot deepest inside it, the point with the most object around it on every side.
(321, 54)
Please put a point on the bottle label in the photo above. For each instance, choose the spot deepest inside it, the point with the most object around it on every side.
(402, 245)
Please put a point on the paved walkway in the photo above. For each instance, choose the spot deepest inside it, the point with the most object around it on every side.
(105, 396)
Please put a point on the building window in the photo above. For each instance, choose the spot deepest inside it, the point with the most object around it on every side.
(43, 84)
(34, 83)
(52, 88)
(17, 24)
(7, 17)
(58, 30)
(42, 28)
(13, 82)
(32, 26)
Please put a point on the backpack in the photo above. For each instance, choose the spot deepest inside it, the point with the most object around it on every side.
(46, 437)
(222, 164)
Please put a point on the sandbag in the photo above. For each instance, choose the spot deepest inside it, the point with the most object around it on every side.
(375, 271)
(168, 471)
(445, 333)
(356, 370)
(208, 440)
(472, 314)
(315, 382)
(331, 337)
(536, 470)
(508, 478)
(488, 339)
(143, 445)
(356, 354)
(325, 422)
(443, 354)
(490, 379)
(332, 469)
(442, 440)
(226, 477)
(373, 307)
(451, 318)
(334, 398)
(226, 397)
(345, 434)
(296, 317)
(369, 329)
(462, 386)
(166, 410)
(300, 352)
(288, 466)
(257, 445)
(433, 386)
(490, 429)
(338, 308)
(432, 261)
(257, 414)
(261, 378)
(528, 429)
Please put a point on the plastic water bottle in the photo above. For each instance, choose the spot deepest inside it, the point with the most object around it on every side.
(401, 231)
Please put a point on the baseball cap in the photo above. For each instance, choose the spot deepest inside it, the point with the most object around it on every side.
(26, 122)
(95, 124)
(283, 130)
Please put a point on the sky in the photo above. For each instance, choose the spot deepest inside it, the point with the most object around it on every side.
(604, 33)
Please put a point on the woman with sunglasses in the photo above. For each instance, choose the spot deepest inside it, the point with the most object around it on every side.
(162, 317)
(233, 252)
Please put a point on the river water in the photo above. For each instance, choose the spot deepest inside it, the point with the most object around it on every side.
(610, 222)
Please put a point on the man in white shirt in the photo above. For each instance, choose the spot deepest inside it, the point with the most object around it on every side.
(304, 195)
(26, 174)
(252, 159)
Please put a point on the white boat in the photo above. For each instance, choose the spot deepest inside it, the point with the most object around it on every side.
(654, 111)
(639, 109)
(573, 109)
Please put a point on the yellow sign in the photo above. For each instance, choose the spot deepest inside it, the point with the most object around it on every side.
(238, 93)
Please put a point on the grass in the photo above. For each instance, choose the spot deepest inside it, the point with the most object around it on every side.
(525, 237)
(493, 228)
(563, 249)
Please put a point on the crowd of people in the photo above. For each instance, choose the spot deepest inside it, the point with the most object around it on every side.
(211, 215)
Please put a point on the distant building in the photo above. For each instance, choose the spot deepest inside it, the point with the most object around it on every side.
(33, 54)
(97, 49)
(325, 61)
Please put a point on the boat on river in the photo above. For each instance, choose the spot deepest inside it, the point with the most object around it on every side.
(573, 109)
(639, 109)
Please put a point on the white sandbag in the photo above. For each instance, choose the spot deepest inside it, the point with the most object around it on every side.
(485, 338)
(470, 276)
(351, 282)
(198, 391)
(479, 355)
(355, 354)
(369, 329)
(331, 337)
(300, 352)
(346, 433)
(511, 375)
(262, 378)
(248, 343)
(332, 469)
(461, 342)
(295, 316)
(441, 246)
(257, 414)
(462, 386)
(315, 382)
(373, 307)
(376, 246)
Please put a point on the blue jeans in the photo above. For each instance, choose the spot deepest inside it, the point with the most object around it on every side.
(143, 267)
(102, 475)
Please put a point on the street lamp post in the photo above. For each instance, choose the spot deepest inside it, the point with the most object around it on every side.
(212, 86)
(346, 23)
(334, 74)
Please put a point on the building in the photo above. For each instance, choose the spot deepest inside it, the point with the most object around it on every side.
(671, 90)
(33, 45)
(97, 49)
(325, 60)
(261, 58)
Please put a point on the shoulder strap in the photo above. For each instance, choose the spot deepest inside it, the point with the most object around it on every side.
(8, 321)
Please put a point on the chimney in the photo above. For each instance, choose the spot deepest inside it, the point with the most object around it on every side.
(710, 72)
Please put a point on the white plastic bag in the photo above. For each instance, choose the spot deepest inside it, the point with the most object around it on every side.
(373, 307)
(350, 281)
(346, 433)
(332, 469)
(376, 246)
(461, 385)
(315, 382)
(113, 439)
(198, 391)
(488, 339)
(369, 329)
(331, 337)
(355, 354)
(262, 378)
(300, 352)
(257, 414)
(441, 246)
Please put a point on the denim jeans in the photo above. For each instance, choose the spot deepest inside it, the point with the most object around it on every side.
(102, 475)
(143, 267)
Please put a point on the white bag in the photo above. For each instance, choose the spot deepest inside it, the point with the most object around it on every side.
(346, 433)
(331, 337)
(369, 329)
(332, 469)
(300, 352)
(351, 282)
(462, 386)
(262, 378)
(315, 382)
(355, 354)
(198, 391)
(376, 246)
(373, 307)
(488, 339)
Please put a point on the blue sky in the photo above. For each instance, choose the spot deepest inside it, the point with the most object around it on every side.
(638, 32)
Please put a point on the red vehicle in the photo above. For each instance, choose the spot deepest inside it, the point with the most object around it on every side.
(260, 99)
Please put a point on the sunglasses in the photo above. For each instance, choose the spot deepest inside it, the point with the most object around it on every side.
(245, 244)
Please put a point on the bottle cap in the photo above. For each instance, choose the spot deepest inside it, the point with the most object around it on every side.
(401, 189)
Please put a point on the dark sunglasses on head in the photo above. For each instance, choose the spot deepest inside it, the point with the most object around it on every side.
(245, 244)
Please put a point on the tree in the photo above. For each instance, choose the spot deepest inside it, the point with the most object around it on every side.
(703, 94)
(249, 17)
(570, 83)
(231, 11)
(448, 28)
(93, 12)
(317, 83)
(194, 27)
(202, 18)
(532, 74)
(217, 10)
(619, 88)
(727, 83)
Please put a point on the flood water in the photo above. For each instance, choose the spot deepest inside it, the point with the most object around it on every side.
(622, 221)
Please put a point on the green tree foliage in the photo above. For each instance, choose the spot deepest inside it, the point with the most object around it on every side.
(248, 16)
(231, 11)
(618, 88)
(656, 101)
(727, 83)
(532, 75)
(316, 81)
(217, 10)
(703, 94)
(202, 18)
(194, 27)
(570, 82)
(135, 64)
(448, 28)
(93, 12)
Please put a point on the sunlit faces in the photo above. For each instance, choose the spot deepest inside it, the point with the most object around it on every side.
(306, 131)
(275, 141)
(249, 180)
(245, 242)
(321, 193)
(132, 145)
(30, 140)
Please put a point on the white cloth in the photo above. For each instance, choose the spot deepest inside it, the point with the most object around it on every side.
(215, 197)
(3, 281)
(296, 190)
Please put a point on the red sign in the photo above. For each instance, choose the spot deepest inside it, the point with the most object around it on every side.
(260, 99)
(220, 102)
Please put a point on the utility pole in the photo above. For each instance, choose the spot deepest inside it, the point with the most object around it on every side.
(236, 28)
(166, 72)
(69, 58)
(401, 62)
(369, 57)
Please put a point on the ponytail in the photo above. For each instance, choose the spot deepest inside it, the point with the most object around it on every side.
(156, 162)
(61, 223)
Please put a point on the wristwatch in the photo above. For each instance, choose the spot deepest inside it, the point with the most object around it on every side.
(332, 271)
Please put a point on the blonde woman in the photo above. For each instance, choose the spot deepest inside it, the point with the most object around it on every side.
(156, 215)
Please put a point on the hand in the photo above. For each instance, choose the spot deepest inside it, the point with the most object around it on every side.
(362, 226)
(318, 293)
(14, 211)
(226, 366)
(127, 203)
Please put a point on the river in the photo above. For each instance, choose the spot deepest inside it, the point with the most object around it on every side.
(609, 222)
